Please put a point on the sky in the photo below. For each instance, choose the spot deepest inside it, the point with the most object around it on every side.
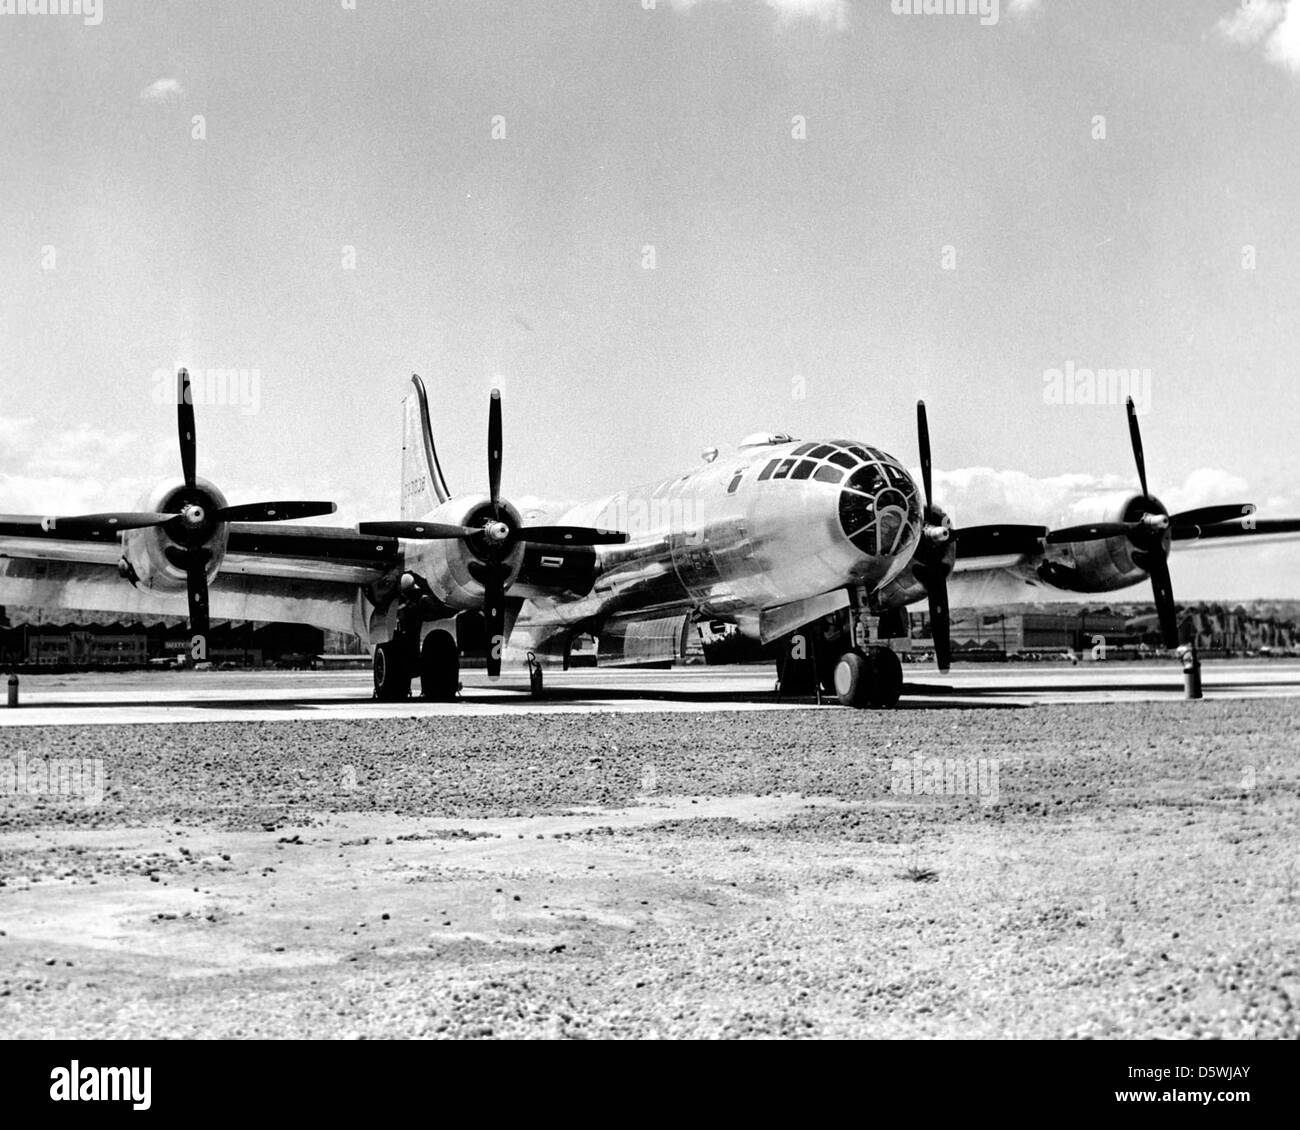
(657, 226)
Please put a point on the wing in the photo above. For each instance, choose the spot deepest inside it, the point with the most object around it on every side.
(323, 576)
(1001, 564)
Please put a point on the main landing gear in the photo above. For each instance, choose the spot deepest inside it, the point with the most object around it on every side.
(826, 662)
(437, 665)
(870, 678)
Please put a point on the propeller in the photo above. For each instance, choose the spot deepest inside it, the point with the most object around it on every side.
(493, 540)
(1152, 532)
(192, 525)
(935, 558)
(195, 523)
(933, 561)
(538, 535)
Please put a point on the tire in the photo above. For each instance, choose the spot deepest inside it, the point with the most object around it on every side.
(869, 679)
(886, 678)
(852, 679)
(439, 667)
(392, 679)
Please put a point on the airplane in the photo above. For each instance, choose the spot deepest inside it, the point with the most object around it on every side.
(815, 547)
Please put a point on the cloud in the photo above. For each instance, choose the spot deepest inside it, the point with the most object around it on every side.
(974, 496)
(1251, 21)
(1275, 23)
(832, 13)
(1283, 46)
(75, 471)
(163, 90)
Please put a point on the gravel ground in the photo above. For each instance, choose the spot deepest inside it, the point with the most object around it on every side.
(1111, 871)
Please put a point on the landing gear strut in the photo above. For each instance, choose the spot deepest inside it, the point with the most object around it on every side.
(535, 683)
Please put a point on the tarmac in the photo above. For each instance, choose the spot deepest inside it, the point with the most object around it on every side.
(107, 698)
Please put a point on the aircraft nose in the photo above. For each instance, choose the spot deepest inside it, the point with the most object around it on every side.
(880, 508)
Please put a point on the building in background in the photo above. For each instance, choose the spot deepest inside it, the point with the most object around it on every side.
(44, 638)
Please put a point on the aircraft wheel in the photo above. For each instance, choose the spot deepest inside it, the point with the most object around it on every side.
(439, 667)
(873, 678)
(887, 677)
(392, 679)
(852, 679)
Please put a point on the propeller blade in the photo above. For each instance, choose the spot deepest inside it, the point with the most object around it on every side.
(185, 424)
(195, 563)
(1135, 435)
(1163, 588)
(923, 440)
(273, 511)
(196, 588)
(427, 531)
(494, 451)
(992, 541)
(1213, 515)
(1099, 531)
(571, 535)
(108, 523)
(940, 623)
(494, 619)
(1259, 527)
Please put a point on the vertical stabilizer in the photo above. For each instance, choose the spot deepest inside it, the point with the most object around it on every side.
(423, 487)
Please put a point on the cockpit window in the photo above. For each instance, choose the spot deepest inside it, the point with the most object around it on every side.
(766, 472)
(735, 481)
(784, 469)
(807, 447)
(804, 469)
(828, 474)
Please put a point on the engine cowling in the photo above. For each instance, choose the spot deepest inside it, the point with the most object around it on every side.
(1106, 563)
(147, 554)
(449, 566)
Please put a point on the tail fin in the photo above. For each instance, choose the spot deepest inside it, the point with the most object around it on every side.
(423, 487)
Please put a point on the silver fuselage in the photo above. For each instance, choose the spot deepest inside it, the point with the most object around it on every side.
(764, 527)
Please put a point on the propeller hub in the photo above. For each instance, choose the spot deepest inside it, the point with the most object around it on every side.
(193, 515)
(496, 532)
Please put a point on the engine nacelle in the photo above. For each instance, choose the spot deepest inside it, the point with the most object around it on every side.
(145, 552)
(448, 566)
(1104, 564)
